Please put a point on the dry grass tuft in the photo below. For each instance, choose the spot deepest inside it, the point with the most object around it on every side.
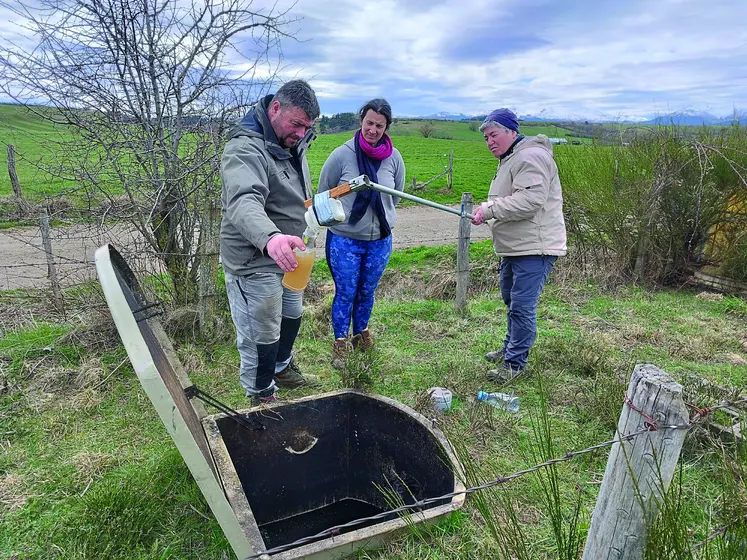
(439, 283)
(19, 312)
(733, 359)
(318, 318)
(98, 335)
(90, 465)
(90, 374)
(12, 496)
(710, 296)
(190, 358)
(316, 292)
(88, 398)
(52, 380)
(182, 323)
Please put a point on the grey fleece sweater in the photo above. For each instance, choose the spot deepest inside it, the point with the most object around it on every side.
(340, 167)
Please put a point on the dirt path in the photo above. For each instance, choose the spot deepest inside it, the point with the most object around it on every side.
(23, 262)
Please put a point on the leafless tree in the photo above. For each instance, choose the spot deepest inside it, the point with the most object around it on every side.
(147, 91)
(427, 130)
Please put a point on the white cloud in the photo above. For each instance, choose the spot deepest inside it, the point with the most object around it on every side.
(578, 57)
(653, 57)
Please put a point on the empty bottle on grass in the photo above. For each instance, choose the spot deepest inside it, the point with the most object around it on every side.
(500, 400)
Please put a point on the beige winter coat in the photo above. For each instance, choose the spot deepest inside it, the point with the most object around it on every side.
(525, 202)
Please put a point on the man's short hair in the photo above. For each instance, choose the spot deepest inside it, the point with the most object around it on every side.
(298, 93)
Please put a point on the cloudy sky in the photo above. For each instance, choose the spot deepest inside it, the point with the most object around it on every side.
(617, 58)
(561, 58)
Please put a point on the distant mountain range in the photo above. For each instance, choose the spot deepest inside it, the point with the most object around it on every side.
(685, 118)
(444, 116)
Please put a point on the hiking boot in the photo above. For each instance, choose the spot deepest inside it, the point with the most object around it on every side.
(267, 396)
(292, 378)
(505, 373)
(363, 341)
(340, 350)
(258, 400)
(494, 356)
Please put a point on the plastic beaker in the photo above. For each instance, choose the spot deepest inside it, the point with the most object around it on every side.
(296, 280)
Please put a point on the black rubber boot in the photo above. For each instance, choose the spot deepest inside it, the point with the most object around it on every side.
(288, 332)
(266, 359)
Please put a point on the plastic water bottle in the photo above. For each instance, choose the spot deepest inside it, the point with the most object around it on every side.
(499, 400)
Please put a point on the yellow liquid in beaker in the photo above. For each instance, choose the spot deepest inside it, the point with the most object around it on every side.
(298, 279)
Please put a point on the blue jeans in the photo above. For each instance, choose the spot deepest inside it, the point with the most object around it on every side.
(522, 280)
(356, 267)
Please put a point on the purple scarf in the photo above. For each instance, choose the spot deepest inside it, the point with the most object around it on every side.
(369, 160)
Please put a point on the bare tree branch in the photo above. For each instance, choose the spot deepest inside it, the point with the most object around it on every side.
(146, 91)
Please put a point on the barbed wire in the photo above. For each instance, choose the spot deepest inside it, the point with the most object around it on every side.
(650, 425)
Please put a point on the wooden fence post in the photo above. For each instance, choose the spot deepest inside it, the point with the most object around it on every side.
(23, 206)
(449, 177)
(639, 470)
(462, 279)
(51, 267)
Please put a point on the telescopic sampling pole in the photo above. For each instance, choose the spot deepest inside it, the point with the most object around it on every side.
(381, 188)
(325, 210)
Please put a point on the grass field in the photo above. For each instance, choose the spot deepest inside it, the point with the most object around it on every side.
(87, 470)
(462, 130)
(35, 141)
(474, 166)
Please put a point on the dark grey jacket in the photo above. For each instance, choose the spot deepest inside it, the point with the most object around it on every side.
(264, 188)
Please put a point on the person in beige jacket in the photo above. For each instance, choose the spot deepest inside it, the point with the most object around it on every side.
(525, 207)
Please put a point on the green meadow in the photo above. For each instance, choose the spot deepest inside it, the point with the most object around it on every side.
(37, 143)
(88, 471)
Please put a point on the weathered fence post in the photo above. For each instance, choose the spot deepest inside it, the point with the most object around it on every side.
(639, 470)
(23, 206)
(51, 267)
(207, 306)
(449, 177)
(462, 279)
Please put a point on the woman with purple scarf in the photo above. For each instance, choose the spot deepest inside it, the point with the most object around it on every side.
(358, 250)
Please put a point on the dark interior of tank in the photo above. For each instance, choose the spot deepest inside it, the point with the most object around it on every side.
(321, 463)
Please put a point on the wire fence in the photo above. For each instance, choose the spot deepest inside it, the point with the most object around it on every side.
(650, 424)
(24, 262)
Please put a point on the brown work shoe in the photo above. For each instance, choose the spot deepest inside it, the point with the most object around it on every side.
(340, 350)
(363, 341)
(505, 373)
(292, 378)
(258, 400)
(495, 356)
(266, 396)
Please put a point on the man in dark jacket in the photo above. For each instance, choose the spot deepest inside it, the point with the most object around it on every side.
(266, 179)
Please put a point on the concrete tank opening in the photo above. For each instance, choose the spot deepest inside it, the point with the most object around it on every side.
(333, 459)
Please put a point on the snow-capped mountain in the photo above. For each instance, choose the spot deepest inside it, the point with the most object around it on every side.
(446, 116)
(696, 118)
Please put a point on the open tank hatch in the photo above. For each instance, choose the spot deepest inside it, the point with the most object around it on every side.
(322, 461)
(332, 459)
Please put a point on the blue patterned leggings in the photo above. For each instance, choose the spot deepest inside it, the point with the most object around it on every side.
(356, 267)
